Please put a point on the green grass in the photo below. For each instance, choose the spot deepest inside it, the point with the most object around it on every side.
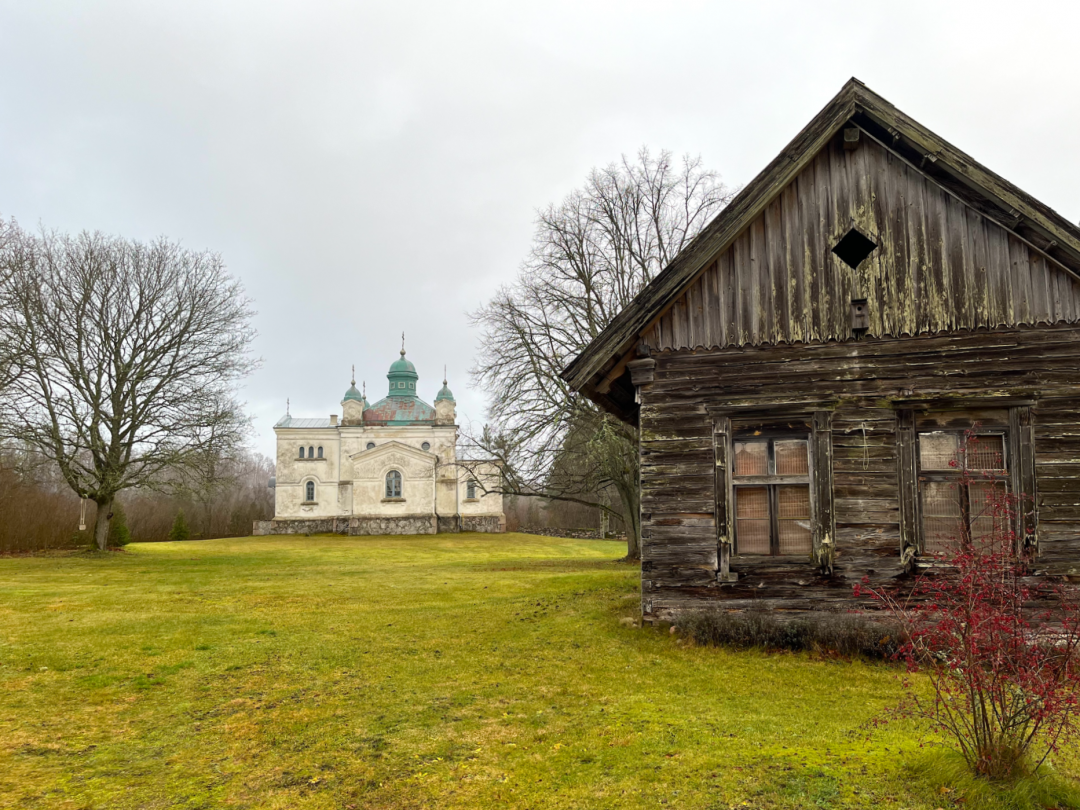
(444, 672)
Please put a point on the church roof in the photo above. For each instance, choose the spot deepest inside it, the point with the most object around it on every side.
(293, 422)
(399, 411)
(444, 393)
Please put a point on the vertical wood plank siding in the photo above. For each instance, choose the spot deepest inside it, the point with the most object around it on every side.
(871, 388)
(939, 266)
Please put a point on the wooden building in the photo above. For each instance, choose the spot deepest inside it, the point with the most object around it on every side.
(803, 370)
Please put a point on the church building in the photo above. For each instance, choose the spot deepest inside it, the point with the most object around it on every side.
(387, 468)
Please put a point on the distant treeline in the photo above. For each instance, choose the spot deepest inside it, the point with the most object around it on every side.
(39, 512)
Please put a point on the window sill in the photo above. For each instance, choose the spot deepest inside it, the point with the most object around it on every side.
(393, 500)
(311, 459)
(309, 503)
(470, 500)
(751, 559)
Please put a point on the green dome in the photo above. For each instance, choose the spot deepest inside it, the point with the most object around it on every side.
(402, 377)
(352, 393)
(402, 365)
(444, 393)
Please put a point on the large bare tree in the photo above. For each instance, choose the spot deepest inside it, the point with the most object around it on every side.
(590, 256)
(129, 352)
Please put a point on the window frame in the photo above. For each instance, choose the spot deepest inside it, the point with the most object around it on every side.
(813, 420)
(470, 490)
(772, 483)
(1002, 475)
(389, 492)
(310, 492)
(1014, 417)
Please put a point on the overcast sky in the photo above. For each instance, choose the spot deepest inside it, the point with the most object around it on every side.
(369, 168)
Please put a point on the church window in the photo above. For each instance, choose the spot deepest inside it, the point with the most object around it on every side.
(393, 484)
(311, 452)
(412, 385)
(470, 489)
(425, 446)
(309, 491)
(320, 452)
(301, 451)
(371, 445)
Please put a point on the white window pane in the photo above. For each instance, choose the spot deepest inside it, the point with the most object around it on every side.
(752, 520)
(939, 451)
(751, 458)
(942, 516)
(791, 458)
(985, 453)
(989, 515)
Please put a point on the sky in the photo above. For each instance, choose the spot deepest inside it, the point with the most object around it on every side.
(368, 169)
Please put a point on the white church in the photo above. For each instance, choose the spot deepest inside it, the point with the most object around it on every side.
(387, 468)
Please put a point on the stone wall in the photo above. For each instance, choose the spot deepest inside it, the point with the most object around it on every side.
(302, 526)
(398, 524)
(374, 525)
(491, 524)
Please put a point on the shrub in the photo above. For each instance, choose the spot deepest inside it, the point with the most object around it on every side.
(1004, 675)
(179, 531)
(843, 634)
(118, 529)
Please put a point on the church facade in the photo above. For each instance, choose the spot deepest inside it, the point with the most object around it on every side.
(391, 467)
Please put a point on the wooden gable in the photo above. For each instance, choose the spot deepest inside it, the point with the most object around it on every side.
(958, 248)
(939, 265)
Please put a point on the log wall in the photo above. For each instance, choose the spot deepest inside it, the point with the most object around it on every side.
(865, 386)
(940, 265)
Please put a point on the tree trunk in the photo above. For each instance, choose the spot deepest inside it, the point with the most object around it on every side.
(631, 499)
(101, 524)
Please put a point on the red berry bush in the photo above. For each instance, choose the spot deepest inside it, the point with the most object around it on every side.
(1000, 648)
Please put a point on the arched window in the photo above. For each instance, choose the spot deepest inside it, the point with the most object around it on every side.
(371, 445)
(470, 489)
(311, 452)
(309, 491)
(393, 484)
(320, 452)
(425, 446)
(301, 452)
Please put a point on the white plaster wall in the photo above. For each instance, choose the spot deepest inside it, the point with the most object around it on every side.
(486, 503)
(293, 472)
(340, 491)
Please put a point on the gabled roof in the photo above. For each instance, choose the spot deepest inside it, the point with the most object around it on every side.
(293, 422)
(604, 360)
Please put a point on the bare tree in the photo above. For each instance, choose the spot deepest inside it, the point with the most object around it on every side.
(590, 256)
(130, 357)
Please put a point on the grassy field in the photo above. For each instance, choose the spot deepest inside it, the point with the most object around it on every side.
(449, 672)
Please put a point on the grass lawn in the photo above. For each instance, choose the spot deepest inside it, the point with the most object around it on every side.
(407, 672)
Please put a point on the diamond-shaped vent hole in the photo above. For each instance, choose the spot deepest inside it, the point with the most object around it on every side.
(853, 248)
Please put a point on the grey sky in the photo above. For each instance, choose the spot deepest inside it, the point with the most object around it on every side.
(368, 168)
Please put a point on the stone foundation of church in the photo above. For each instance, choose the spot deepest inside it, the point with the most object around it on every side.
(369, 525)
(489, 524)
(398, 524)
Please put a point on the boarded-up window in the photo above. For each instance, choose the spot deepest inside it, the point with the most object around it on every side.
(962, 481)
(771, 477)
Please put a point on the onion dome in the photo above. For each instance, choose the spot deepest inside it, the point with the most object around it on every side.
(402, 377)
(444, 393)
(353, 393)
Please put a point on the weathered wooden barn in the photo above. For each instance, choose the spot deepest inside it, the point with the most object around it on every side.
(802, 373)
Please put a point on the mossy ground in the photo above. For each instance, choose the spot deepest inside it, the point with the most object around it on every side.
(460, 671)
